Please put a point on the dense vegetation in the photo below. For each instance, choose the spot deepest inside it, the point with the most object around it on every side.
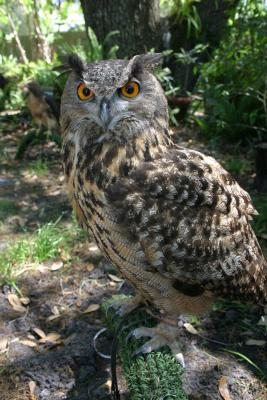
(234, 81)
(232, 84)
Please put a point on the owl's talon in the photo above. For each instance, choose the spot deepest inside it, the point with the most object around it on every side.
(141, 332)
(161, 335)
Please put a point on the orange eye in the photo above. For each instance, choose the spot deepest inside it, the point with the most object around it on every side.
(131, 89)
(84, 93)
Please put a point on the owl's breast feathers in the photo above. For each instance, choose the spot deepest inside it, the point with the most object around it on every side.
(191, 219)
(169, 211)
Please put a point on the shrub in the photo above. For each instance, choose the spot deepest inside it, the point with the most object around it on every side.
(234, 82)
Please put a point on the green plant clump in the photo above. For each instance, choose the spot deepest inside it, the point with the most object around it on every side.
(154, 376)
(234, 82)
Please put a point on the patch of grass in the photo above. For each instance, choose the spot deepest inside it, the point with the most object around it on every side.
(46, 242)
(7, 208)
(51, 240)
(38, 167)
(154, 376)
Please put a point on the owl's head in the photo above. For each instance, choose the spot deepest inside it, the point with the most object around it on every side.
(114, 98)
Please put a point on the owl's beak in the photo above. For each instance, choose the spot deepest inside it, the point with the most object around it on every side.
(104, 112)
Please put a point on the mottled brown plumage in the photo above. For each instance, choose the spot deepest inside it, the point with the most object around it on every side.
(41, 105)
(172, 220)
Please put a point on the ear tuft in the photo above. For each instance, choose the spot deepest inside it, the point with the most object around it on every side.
(70, 63)
(146, 62)
(75, 63)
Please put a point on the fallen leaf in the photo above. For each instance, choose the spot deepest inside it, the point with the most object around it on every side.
(90, 267)
(52, 337)
(39, 332)
(223, 388)
(65, 255)
(55, 310)
(55, 265)
(29, 343)
(43, 268)
(14, 301)
(25, 300)
(115, 278)
(32, 387)
(108, 384)
(3, 344)
(190, 329)
(93, 248)
(91, 308)
(255, 342)
(52, 317)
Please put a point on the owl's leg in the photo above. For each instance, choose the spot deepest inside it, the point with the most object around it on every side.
(161, 335)
(125, 306)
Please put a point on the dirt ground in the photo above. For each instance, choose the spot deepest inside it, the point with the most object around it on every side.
(46, 347)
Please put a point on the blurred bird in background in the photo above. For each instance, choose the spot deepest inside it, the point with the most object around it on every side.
(42, 105)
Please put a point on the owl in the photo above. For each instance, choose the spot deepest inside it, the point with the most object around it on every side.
(173, 222)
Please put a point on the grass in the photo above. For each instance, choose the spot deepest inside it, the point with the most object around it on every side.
(48, 241)
(154, 376)
(38, 167)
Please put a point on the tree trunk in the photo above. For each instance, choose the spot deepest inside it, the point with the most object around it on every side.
(21, 50)
(138, 23)
(43, 49)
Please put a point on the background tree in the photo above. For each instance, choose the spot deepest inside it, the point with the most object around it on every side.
(138, 23)
(165, 24)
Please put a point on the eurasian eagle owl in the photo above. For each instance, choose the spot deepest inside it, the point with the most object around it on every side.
(172, 220)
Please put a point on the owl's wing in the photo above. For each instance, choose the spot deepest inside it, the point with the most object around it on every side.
(192, 221)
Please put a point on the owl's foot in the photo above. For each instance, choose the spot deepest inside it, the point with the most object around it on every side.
(125, 306)
(162, 335)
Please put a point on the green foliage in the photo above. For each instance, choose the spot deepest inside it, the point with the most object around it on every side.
(260, 221)
(184, 11)
(234, 82)
(167, 82)
(150, 377)
(19, 74)
(236, 164)
(93, 50)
